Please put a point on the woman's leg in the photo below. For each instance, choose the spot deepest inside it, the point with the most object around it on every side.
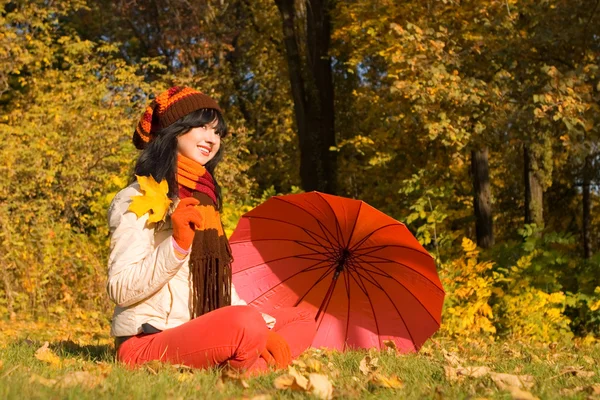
(297, 326)
(235, 335)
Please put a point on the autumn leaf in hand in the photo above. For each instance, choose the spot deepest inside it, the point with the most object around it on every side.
(153, 201)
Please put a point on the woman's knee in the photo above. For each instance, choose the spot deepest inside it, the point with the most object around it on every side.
(247, 319)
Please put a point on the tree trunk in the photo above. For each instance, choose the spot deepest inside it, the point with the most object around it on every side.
(587, 208)
(312, 91)
(482, 198)
(534, 193)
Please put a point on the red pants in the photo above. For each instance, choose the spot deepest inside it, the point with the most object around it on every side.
(234, 335)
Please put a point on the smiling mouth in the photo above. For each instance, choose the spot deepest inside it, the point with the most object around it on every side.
(204, 150)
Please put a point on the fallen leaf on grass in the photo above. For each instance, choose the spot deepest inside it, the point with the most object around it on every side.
(588, 360)
(229, 375)
(455, 374)
(577, 371)
(41, 380)
(390, 346)
(292, 380)
(45, 354)
(79, 378)
(391, 382)
(154, 366)
(313, 365)
(520, 394)
(103, 367)
(368, 365)
(320, 386)
(317, 384)
(593, 390)
(504, 381)
(452, 358)
(184, 377)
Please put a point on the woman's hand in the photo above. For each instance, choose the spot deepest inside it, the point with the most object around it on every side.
(185, 219)
(277, 351)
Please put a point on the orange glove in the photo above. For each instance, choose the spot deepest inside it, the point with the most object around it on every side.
(277, 351)
(185, 218)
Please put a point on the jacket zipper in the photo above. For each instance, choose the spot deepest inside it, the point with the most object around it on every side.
(171, 303)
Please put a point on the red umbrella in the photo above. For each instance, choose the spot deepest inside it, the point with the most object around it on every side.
(362, 273)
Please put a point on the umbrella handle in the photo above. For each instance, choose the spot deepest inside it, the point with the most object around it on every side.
(329, 293)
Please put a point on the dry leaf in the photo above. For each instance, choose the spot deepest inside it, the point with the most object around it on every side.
(577, 371)
(284, 381)
(41, 380)
(503, 381)
(320, 386)
(154, 366)
(79, 378)
(300, 380)
(103, 367)
(520, 394)
(426, 351)
(153, 201)
(229, 375)
(452, 358)
(383, 381)
(313, 365)
(390, 346)
(368, 365)
(588, 360)
(292, 380)
(454, 374)
(45, 354)
(299, 363)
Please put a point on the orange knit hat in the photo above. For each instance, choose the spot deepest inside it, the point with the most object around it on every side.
(167, 108)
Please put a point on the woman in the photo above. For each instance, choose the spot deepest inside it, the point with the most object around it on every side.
(171, 279)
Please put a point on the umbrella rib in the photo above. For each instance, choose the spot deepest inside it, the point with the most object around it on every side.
(385, 260)
(338, 227)
(360, 242)
(316, 219)
(377, 248)
(290, 277)
(401, 284)
(292, 224)
(315, 284)
(279, 259)
(301, 242)
(355, 222)
(377, 285)
(347, 282)
(362, 286)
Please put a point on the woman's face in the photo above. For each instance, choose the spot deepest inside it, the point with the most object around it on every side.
(200, 144)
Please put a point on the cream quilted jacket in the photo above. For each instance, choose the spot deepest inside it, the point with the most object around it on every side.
(148, 283)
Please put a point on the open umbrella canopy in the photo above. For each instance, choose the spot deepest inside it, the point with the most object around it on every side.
(362, 273)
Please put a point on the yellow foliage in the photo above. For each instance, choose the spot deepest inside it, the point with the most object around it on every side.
(521, 310)
(535, 316)
(468, 286)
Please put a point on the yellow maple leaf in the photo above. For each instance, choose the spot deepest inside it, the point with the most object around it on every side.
(45, 354)
(154, 200)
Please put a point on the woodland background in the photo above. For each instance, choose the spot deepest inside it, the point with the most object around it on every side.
(475, 122)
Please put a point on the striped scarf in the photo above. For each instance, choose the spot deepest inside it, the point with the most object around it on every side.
(210, 259)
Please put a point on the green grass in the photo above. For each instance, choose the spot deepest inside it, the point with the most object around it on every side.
(423, 375)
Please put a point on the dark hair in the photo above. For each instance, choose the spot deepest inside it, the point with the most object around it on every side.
(159, 159)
